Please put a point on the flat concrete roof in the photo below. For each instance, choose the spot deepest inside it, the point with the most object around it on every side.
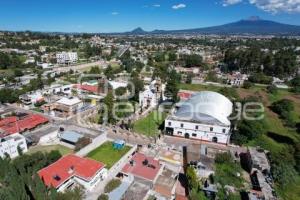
(71, 136)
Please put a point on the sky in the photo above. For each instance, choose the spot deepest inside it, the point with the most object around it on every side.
(126, 15)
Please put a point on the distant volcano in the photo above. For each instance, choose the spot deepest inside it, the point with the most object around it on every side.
(253, 25)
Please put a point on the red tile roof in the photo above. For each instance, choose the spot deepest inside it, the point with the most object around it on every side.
(84, 168)
(140, 170)
(89, 88)
(184, 95)
(11, 125)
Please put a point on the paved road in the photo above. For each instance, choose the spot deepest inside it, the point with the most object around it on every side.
(122, 51)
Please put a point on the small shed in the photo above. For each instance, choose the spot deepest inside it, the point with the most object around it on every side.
(119, 144)
(70, 137)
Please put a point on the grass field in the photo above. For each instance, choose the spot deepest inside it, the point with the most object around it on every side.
(106, 154)
(149, 125)
(62, 149)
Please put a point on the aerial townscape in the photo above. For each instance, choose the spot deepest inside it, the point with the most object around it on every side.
(210, 113)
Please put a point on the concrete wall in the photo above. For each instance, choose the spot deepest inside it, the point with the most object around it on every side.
(100, 175)
(203, 132)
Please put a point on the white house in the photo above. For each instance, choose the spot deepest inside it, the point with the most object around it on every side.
(57, 88)
(72, 104)
(66, 57)
(147, 98)
(202, 117)
(236, 79)
(30, 60)
(71, 170)
(45, 65)
(9, 145)
(118, 84)
(152, 94)
(32, 98)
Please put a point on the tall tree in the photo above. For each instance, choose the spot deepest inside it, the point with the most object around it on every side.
(172, 86)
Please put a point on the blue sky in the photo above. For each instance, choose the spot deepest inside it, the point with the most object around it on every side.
(125, 15)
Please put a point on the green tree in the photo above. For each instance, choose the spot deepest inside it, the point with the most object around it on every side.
(248, 130)
(284, 109)
(192, 178)
(18, 72)
(5, 60)
(196, 194)
(211, 76)
(109, 72)
(95, 70)
(76, 194)
(189, 78)
(8, 95)
(192, 60)
(172, 86)
(138, 87)
(295, 84)
(109, 102)
(172, 56)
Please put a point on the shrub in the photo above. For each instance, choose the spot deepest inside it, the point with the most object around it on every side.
(260, 78)
(284, 108)
(295, 82)
(113, 184)
(247, 84)
(248, 130)
(272, 89)
(103, 197)
(151, 197)
(222, 158)
(40, 103)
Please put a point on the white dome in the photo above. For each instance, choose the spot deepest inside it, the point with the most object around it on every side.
(208, 107)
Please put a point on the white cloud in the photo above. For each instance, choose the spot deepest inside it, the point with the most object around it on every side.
(114, 13)
(179, 6)
(272, 6)
(276, 6)
(230, 2)
(156, 5)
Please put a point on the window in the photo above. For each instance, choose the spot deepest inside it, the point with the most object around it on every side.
(194, 134)
(224, 130)
(196, 127)
(169, 123)
(211, 129)
(181, 125)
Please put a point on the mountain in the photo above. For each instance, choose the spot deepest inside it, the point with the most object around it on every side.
(138, 30)
(253, 25)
